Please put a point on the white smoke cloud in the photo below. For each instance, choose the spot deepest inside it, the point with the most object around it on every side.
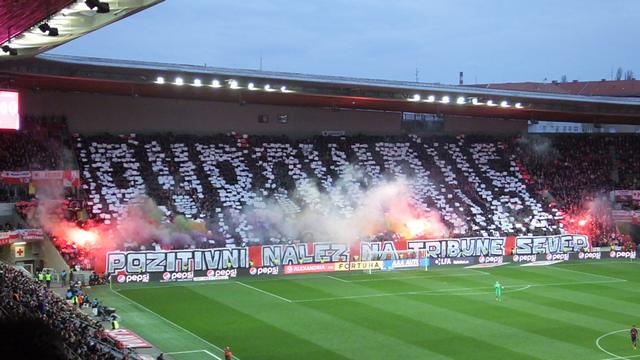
(378, 209)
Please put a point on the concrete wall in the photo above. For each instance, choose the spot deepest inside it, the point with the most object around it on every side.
(468, 124)
(34, 252)
(95, 113)
(8, 214)
(51, 256)
(31, 254)
(7, 210)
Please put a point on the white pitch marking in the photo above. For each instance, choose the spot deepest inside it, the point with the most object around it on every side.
(209, 352)
(628, 357)
(193, 352)
(337, 278)
(542, 263)
(183, 284)
(427, 276)
(174, 324)
(608, 352)
(586, 273)
(487, 265)
(519, 287)
(264, 292)
(184, 352)
(451, 292)
(478, 271)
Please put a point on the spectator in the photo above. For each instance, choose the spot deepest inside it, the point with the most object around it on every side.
(31, 339)
(25, 301)
(47, 278)
(63, 277)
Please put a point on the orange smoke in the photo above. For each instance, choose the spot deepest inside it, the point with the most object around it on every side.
(415, 227)
(81, 237)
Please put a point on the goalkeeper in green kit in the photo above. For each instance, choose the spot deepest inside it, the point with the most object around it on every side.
(499, 288)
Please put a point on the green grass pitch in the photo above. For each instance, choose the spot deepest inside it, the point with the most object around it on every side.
(565, 311)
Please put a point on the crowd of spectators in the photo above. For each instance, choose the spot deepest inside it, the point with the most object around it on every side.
(13, 193)
(36, 146)
(66, 209)
(572, 168)
(471, 181)
(23, 299)
(488, 183)
(8, 227)
(481, 185)
(577, 172)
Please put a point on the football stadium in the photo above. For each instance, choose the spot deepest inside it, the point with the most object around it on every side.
(151, 209)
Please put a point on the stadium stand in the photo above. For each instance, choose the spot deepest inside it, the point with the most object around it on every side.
(22, 299)
(576, 171)
(473, 182)
(37, 146)
(481, 185)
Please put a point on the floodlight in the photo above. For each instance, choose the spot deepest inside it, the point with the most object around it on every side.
(44, 27)
(101, 7)
(10, 50)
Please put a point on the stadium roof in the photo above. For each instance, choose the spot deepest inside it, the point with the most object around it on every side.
(20, 21)
(615, 88)
(18, 16)
(137, 78)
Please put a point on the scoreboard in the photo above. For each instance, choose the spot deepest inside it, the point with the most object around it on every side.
(9, 110)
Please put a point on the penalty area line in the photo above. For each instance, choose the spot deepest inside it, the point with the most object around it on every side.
(174, 324)
(478, 271)
(337, 278)
(193, 352)
(264, 292)
(458, 291)
(586, 273)
(426, 276)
